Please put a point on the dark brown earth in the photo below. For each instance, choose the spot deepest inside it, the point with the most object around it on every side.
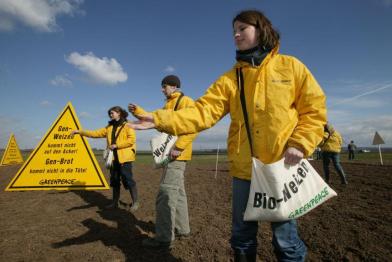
(74, 226)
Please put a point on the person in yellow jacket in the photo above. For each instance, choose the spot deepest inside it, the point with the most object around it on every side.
(172, 217)
(285, 113)
(330, 150)
(121, 139)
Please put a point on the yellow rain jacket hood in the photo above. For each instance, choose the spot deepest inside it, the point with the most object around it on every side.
(285, 104)
(126, 140)
(183, 142)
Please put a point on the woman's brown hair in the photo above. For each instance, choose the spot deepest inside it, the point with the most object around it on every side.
(118, 109)
(269, 37)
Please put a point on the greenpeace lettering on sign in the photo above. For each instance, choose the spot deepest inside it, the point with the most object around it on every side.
(280, 192)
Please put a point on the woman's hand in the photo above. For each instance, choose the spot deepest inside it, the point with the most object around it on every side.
(132, 108)
(293, 156)
(112, 147)
(73, 132)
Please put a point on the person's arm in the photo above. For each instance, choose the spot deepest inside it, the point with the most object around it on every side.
(99, 133)
(310, 104)
(184, 140)
(137, 111)
(207, 111)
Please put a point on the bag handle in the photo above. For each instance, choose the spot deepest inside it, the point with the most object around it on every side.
(178, 101)
(175, 109)
(118, 133)
(240, 83)
(326, 140)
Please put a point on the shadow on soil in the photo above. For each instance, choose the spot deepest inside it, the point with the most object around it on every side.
(126, 236)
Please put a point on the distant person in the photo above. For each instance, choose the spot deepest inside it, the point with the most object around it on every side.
(121, 139)
(331, 147)
(172, 217)
(351, 150)
(277, 109)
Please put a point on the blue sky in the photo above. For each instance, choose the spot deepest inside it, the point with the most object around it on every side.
(98, 54)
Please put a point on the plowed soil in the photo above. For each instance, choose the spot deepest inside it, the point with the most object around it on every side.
(75, 226)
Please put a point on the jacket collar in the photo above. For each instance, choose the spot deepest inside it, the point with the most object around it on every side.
(117, 123)
(270, 55)
(174, 95)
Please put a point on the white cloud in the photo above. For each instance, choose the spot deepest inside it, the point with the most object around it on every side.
(362, 130)
(358, 104)
(213, 137)
(61, 81)
(373, 90)
(366, 103)
(169, 69)
(6, 25)
(45, 103)
(104, 70)
(338, 114)
(38, 14)
(85, 115)
(15, 125)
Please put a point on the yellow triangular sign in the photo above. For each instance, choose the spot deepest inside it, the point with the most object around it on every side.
(12, 154)
(377, 140)
(60, 161)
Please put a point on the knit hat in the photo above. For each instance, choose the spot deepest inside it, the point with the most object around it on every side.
(171, 80)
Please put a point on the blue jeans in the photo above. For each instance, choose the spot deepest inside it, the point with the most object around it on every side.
(327, 157)
(287, 244)
(122, 173)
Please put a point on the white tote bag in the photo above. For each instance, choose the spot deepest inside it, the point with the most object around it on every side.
(281, 192)
(161, 146)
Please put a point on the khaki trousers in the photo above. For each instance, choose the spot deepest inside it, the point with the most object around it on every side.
(171, 203)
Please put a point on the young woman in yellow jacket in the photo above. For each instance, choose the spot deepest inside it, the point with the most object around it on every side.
(121, 139)
(285, 112)
(330, 150)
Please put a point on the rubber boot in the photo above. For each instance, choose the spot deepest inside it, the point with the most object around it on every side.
(135, 201)
(343, 178)
(116, 198)
(243, 257)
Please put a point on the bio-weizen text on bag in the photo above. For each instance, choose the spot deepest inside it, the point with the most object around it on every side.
(161, 146)
(281, 192)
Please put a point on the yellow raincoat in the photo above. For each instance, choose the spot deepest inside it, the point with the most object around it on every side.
(285, 104)
(126, 141)
(183, 142)
(332, 143)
